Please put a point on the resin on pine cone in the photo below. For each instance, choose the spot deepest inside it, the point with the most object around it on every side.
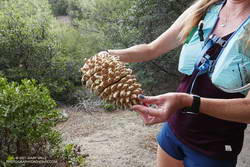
(110, 79)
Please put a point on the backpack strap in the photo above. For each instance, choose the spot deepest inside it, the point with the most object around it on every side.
(204, 64)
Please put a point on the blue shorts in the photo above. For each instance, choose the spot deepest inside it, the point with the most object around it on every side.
(176, 149)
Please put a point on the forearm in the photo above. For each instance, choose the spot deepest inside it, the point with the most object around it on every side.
(137, 53)
(237, 110)
(145, 52)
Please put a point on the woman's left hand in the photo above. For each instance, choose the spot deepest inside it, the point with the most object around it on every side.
(166, 105)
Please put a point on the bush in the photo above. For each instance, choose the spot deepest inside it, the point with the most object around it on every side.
(72, 155)
(66, 77)
(33, 45)
(27, 114)
(27, 119)
(26, 44)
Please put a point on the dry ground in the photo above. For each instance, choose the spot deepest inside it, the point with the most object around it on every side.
(119, 139)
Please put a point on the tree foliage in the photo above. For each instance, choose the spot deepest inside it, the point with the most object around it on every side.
(26, 45)
(59, 7)
(33, 45)
(101, 21)
(117, 24)
(151, 18)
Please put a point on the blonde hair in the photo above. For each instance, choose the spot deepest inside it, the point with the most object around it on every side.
(245, 38)
(196, 11)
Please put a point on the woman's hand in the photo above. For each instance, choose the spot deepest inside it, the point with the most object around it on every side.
(166, 105)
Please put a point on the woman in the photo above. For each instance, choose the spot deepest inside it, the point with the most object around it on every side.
(205, 129)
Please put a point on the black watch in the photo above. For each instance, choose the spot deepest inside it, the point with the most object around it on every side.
(195, 108)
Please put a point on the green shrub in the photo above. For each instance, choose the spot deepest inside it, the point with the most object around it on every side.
(72, 155)
(109, 107)
(33, 45)
(27, 120)
(27, 114)
(27, 44)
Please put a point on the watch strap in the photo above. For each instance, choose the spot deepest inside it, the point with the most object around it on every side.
(195, 108)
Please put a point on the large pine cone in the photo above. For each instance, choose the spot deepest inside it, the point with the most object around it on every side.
(110, 79)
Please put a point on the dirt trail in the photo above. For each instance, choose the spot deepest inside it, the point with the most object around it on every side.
(119, 139)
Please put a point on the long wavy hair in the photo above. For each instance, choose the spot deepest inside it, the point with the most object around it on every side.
(196, 11)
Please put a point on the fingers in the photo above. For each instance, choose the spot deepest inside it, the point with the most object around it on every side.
(147, 110)
(143, 116)
(149, 115)
(104, 53)
(149, 120)
(153, 121)
(149, 99)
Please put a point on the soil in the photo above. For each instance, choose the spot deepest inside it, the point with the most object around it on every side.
(119, 139)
